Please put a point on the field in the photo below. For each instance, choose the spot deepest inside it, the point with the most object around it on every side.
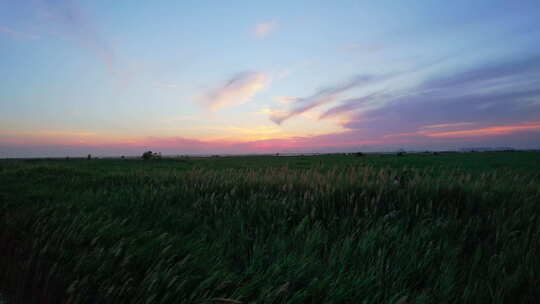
(418, 228)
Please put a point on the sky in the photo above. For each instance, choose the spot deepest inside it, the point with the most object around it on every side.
(112, 78)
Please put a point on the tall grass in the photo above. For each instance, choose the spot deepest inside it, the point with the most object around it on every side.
(270, 235)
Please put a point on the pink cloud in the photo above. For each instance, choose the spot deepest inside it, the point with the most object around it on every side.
(261, 30)
(238, 90)
(488, 131)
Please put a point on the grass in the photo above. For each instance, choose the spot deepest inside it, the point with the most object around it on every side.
(451, 228)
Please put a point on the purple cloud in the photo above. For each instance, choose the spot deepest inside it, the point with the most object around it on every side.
(323, 96)
(508, 93)
(352, 104)
(491, 73)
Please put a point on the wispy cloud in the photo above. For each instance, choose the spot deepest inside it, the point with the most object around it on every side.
(486, 100)
(488, 131)
(17, 34)
(263, 29)
(489, 75)
(350, 105)
(73, 22)
(238, 90)
(324, 96)
(449, 125)
(285, 99)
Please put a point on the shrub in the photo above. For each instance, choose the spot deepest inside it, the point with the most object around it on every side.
(151, 155)
(147, 155)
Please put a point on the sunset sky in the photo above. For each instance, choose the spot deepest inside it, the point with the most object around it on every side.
(237, 77)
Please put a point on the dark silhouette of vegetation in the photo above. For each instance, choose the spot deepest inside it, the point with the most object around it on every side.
(151, 155)
(262, 229)
(147, 155)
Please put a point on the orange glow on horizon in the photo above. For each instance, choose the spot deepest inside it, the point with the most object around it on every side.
(487, 131)
(262, 139)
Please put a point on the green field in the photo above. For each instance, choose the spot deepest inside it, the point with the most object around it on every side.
(380, 228)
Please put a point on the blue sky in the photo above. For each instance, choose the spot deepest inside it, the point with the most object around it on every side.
(115, 78)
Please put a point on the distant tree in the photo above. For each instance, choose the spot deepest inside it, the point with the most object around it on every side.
(147, 155)
(358, 154)
(89, 156)
(151, 155)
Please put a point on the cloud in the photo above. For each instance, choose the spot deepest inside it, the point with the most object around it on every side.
(350, 105)
(522, 135)
(493, 74)
(261, 30)
(333, 93)
(485, 101)
(236, 91)
(488, 131)
(445, 114)
(324, 96)
(76, 25)
(449, 125)
(485, 104)
(17, 34)
(285, 99)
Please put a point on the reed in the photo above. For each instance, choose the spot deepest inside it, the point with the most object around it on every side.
(333, 233)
